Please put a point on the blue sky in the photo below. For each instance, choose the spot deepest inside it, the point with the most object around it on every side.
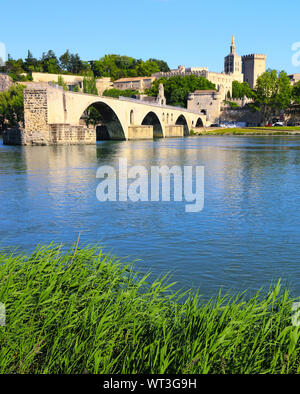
(190, 32)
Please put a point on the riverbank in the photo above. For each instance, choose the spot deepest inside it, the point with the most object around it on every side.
(80, 311)
(247, 131)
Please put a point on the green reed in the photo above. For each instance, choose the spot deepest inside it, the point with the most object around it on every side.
(79, 311)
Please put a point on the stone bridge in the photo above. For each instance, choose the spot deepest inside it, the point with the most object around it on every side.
(55, 116)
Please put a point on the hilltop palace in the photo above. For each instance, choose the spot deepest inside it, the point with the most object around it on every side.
(236, 68)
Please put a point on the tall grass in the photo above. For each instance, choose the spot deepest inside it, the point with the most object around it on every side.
(82, 312)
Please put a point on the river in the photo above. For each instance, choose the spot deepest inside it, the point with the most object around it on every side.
(246, 236)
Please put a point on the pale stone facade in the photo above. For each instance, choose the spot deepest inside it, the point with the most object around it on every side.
(236, 68)
(233, 62)
(72, 81)
(5, 82)
(134, 83)
(207, 102)
(252, 67)
(294, 78)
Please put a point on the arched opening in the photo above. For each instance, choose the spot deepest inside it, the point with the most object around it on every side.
(203, 111)
(182, 121)
(151, 119)
(167, 118)
(100, 116)
(131, 117)
(199, 123)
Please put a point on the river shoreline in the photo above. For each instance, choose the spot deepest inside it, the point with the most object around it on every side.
(251, 131)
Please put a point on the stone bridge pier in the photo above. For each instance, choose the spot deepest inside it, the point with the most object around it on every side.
(55, 116)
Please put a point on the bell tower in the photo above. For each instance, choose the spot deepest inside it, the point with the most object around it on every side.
(232, 62)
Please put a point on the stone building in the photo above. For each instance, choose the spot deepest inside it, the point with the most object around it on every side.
(252, 67)
(134, 83)
(5, 82)
(294, 78)
(72, 81)
(236, 68)
(207, 102)
(233, 62)
(223, 81)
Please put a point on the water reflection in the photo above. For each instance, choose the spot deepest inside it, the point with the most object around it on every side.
(246, 235)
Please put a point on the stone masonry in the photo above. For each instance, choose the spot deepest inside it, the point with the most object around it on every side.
(5, 82)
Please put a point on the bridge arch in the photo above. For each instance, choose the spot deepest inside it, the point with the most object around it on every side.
(151, 119)
(107, 122)
(181, 120)
(199, 122)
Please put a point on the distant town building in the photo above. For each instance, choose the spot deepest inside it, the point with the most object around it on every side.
(72, 81)
(223, 81)
(294, 78)
(236, 68)
(207, 102)
(134, 83)
(252, 67)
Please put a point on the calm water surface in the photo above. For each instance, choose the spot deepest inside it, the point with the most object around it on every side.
(246, 236)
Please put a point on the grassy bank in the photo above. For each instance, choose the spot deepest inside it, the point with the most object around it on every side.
(82, 312)
(248, 131)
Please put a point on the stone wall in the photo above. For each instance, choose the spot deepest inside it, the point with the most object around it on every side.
(65, 134)
(36, 116)
(207, 102)
(252, 118)
(140, 132)
(174, 131)
(14, 136)
(5, 82)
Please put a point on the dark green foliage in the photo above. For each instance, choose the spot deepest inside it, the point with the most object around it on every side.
(82, 312)
(273, 92)
(117, 93)
(240, 90)
(177, 88)
(116, 66)
(89, 85)
(12, 106)
(61, 82)
(232, 104)
(296, 93)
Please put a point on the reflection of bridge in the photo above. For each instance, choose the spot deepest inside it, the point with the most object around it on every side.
(53, 115)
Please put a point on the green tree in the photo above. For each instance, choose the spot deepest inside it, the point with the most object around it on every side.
(241, 89)
(50, 63)
(177, 88)
(116, 66)
(89, 85)
(162, 65)
(147, 68)
(117, 93)
(296, 93)
(61, 82)
(65, 61)
(12, 106)
(273, 92)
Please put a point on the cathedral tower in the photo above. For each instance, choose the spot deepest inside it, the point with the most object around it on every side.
(233, 62)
